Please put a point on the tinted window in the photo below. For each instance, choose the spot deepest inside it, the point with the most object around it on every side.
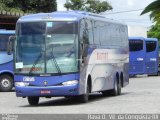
(84, 32)
(135, 45)
(150, 46)
(96, 32)
(61, 28)
(32, 28)
(3, 42)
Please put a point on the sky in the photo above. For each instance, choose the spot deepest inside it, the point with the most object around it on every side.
(130, 18)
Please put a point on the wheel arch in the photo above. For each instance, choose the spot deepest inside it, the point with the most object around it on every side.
(7, 73)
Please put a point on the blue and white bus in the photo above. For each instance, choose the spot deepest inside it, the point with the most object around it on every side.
(69, 53)
(6, 62)
(137, 56)
(152, 56)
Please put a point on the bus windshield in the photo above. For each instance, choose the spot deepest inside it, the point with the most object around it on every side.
(151, 46)
(46, 47)
(3, 41)
(135, 45)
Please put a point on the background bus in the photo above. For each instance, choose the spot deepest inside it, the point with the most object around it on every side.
(143, 56)
(70, 54)
(152, 56)
(6, 62)
(137, 56)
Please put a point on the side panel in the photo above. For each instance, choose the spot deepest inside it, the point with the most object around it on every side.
(107, 57)
(6, 63)
(104, 64)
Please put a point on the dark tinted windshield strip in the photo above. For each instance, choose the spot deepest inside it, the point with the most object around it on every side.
(135, 45)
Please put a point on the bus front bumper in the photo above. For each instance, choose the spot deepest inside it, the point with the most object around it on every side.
(48, 91)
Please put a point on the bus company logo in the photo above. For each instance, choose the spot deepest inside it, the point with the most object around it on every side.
(45, 83)
(29, 79)
(102, 56)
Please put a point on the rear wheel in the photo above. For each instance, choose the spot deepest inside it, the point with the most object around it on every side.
(117, 88)
(84, 98)
(33, 100)
(6, 83)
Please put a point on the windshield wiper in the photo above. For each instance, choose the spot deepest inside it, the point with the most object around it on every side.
(35, 63)
(55, 62)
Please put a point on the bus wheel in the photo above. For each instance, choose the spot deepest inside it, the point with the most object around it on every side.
(33, 100)
(84, 98)
(6, 83)
(117, 88)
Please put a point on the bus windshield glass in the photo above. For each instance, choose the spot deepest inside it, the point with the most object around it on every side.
(135, 45)
(46, 47)
(151, 46)
(3, 41)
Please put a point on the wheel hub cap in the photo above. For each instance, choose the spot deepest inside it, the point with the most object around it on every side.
(5, 83)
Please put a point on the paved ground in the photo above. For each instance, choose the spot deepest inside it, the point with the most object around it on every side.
(142, 95)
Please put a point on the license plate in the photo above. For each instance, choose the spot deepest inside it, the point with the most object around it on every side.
(45, 91)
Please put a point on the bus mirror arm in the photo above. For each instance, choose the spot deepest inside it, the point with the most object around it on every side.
(82, 60)
(10, 44)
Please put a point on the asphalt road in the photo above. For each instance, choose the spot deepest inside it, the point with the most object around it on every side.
(142, 95)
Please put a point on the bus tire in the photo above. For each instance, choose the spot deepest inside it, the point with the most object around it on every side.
(117, 88)
(6, 83)
(85, 97)
(33, 100)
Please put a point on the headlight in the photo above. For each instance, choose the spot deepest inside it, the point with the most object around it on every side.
(21, 84)
(72, 82)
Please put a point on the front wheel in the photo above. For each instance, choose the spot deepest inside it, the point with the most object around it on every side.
(33, 100)
(6, 83)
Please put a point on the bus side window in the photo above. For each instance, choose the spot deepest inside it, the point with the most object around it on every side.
(96, 33)
(84, 37)
(90, 32)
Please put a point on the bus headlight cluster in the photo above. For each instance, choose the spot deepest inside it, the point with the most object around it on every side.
(72, 82)
(21, 84)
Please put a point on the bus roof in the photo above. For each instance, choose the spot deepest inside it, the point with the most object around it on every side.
(136, 38)
(64, 16)
(3, 31)
(151, 39)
